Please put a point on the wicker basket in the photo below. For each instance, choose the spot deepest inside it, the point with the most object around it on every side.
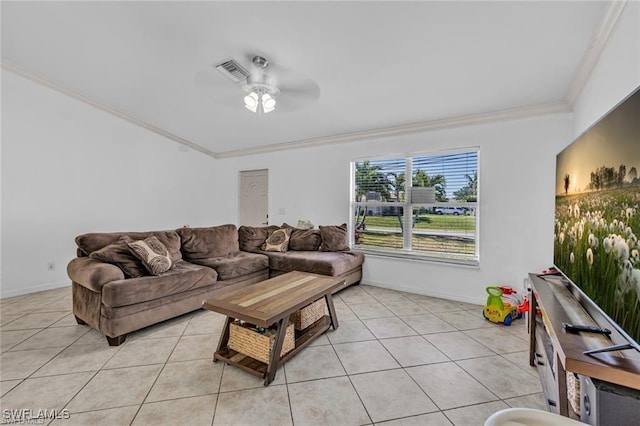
(258, 345)
(573, 392)
(309, 314)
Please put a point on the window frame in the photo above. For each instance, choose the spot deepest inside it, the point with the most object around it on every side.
(406, 252)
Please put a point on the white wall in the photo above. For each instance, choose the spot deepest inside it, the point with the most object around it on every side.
(517, 173)
(69, 168)
(615, 75)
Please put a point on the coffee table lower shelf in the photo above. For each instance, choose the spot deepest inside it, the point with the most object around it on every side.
(259, 368)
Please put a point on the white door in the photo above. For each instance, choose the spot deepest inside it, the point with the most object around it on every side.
(254, 197)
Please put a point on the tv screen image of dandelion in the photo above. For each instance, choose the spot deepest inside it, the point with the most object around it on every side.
(597, 214)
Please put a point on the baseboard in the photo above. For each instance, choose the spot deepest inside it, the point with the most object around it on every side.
(20, 291)
(426, 292)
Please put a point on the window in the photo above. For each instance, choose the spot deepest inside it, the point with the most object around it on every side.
(422, 206)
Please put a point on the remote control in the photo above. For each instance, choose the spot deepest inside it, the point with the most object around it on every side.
(571, 328)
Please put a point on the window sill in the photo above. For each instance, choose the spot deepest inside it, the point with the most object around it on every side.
(471, 263)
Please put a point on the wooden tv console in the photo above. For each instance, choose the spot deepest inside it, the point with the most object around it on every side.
(554, 351)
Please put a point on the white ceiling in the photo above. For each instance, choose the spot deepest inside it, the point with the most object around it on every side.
(378, 64)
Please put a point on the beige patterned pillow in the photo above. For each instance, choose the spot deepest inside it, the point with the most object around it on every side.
(278, 240)
(153, 255)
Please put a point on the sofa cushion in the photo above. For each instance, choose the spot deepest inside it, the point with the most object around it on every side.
(152, 253)
(252, 238)
(204, 243)
(184, 276)
(88, 243)
(119, 254)
(317, 262)
(278, 240)
(334, 238)
(303, 239)
(237, 265)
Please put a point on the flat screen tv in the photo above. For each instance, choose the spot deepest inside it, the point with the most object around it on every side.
(597, 219)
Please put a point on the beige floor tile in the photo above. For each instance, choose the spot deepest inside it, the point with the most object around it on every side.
(333, 402)
(471, 307)
(474, 415)
(404, 307)
(384, 328)
(457, 345)
(371, 310)
(6, 319)
(498, 340)
(121, 416)
(63, 305)
(519, 329)
(143, 352)
(352, 297)
(362, 357)
(449, 386)
(201, 346)
(463, 320)
(248, 407)
(205, 322)
(21, 364)
(345, 313)
(521, 359)
(11, 338)
(535, 401)
(171, 328)
(501, 377)
(20, 308)
(320, 341)
(45, 392)
(413, 350)
(93, 337)
(313, 363)
(52, 338)
(67, 321)
(384, 294)
(7, 385)
(349, 331)
(234, 379)
(115, 388)
(78, 358)
(431, 419)
(378, 388)
(34, 320)
(196, 410)
(436, 305)
(427, 324)
(186, 379)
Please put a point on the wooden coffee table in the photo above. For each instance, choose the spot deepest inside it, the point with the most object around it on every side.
(272, 302)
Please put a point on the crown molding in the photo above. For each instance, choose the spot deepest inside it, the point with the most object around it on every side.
(17, 69)
(597, 44)
(447, 123)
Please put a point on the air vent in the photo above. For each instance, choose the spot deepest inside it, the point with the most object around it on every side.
(233, 70)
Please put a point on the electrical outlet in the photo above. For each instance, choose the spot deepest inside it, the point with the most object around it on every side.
(282, 210)
(51, 266)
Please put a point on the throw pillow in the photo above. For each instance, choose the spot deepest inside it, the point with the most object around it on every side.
(278, 240)
(153, 254)
(334, 238)
(303, 239)
(251, 238)
(119, 254)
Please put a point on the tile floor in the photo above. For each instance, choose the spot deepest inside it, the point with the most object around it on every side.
(396, 359)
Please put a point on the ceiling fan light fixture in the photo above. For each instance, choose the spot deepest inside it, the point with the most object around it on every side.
(251, 101)
(268, 103)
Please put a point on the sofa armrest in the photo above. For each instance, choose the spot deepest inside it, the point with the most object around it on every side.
(93, 273)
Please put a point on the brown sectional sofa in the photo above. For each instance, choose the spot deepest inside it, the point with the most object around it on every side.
(115, 297)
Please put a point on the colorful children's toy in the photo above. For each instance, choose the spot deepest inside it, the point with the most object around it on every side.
(498, 310)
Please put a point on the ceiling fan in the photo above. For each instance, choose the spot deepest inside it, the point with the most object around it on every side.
(261, 86)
